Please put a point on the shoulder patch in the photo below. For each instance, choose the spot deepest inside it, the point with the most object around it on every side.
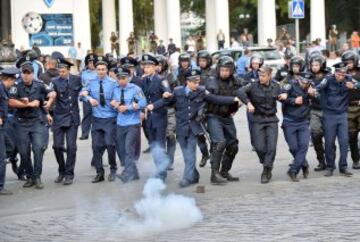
(13, 90)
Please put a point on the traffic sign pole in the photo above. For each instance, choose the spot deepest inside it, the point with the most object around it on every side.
(297, 36)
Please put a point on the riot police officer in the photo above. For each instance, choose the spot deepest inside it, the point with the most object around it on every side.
(283, 72)
(220, 122)
(8, 76)
(28, 99)
(99, 93)
(184, 67)
(260, 97)
(66, 120)
(319, 72)
(351, 59)
(204, 62)
(86, 76)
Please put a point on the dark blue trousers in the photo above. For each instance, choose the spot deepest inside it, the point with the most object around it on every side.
(103, 135)
(30, 136)
(87, 119)
(60, 134)
(336, 126)
(2, 158)
(127, 147)
(188, 149)
(297, 136)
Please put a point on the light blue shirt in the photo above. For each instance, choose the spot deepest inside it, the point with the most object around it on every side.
(241, 64)
(88, 75)
(93, 88)
(132, 93)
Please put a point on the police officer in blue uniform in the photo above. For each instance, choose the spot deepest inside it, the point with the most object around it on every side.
(8, 76)
(131, 64)
(128, 99)
(99, 94)
(28, 99)
(154, 87)
(189, 101)
(220, 122)
(86, 76)
(66, 120)
(334, 99)
(296, 121)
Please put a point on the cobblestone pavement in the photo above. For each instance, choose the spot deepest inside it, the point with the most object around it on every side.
(316, 209)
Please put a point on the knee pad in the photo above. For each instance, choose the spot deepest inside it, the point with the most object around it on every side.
(219, 147)
(232, 149)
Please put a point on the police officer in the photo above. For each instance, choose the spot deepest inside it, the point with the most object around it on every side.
(189, 101)
(99, 93)
(128, 99)
(130, 64)
(162, 70)
(86, 76)
(28, 99)
(283, 72)
(154, 87)
(260, 97)
(220, 122)
(334, 99)
(351, 59)
(66, 120)
(297, 65)
(319, 72)
(296, 121)
(204, 62)
(256, 62)
(184, 67)
(8, 76)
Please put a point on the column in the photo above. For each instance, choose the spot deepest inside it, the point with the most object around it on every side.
(222, 19)
(173, 21)
(109, 23)
(160, 21)
(211, 43)
(126, 24)
(317, 21)
(81, 18)
(266, 21)
(5, 19)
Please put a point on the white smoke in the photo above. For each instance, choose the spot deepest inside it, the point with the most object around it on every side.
(159, 213)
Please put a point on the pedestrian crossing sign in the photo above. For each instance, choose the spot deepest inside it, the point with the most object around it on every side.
(296, 9)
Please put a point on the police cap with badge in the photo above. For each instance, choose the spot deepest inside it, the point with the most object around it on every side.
(101, 60)
(128, 62)
(24, 63)
(62, 63)
(149, 59)
(9, 72)
(193, 75)
(89, 57)
(121, 72)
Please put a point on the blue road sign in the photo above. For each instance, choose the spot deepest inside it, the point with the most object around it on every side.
(297, 9)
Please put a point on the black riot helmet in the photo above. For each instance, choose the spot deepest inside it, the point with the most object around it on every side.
(297, 60)
(225, 61)
(204, 54)
(257, 57)
(163, 62)
(184, 57)
(350, 55)
(318, 58)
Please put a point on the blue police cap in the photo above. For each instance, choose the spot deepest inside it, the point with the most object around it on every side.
(306, 77)
(149, 59)
(62, 63)
(192, 74)
(101, 60)
(340, 67)
(89, 57)
(10, 72)
(128, 61)
(122, 72)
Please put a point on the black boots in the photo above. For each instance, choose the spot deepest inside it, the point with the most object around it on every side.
(216, 178)
(266, 175)
(292, 176)
(321, 166)
(229, 177)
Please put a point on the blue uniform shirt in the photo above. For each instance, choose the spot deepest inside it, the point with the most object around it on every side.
(88, 75)
(93, 88)
(3, 102)
(132, 93)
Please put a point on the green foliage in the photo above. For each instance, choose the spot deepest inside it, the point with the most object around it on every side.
(95, 16)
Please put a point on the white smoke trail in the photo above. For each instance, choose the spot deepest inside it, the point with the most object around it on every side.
(159, 213)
